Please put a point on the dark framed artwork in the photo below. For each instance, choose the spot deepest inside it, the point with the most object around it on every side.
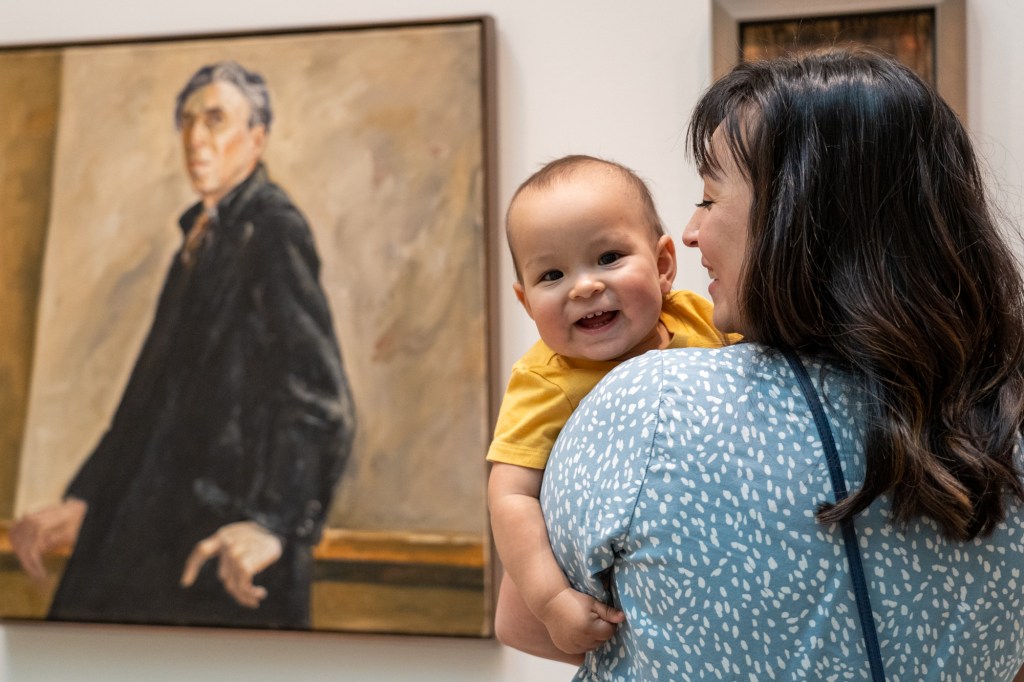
(908, 35)
(370, 231)
(929, 36)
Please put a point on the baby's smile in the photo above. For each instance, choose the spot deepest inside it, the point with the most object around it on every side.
(597, 320)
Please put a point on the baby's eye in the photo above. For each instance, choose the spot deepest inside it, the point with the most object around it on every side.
(551, 276)
(705, 203)
(608, 258)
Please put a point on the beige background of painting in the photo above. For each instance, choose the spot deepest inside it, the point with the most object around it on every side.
(377, 138)
(26, 139)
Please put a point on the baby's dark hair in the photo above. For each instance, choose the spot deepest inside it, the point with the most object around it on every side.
(564, 168)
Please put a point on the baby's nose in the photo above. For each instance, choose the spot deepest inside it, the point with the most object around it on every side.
(586, 286)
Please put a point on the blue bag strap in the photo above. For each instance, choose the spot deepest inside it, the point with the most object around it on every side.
(860, 587)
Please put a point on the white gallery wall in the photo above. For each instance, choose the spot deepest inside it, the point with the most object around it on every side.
(604, 77)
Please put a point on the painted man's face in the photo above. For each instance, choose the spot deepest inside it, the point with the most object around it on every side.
(221, 149)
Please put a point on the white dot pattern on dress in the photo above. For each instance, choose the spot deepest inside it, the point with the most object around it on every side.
(691, 477)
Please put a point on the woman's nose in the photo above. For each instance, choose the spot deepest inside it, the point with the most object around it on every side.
(691, 230)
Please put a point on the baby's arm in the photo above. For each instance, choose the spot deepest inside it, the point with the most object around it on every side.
(516, 626)
(576, 622)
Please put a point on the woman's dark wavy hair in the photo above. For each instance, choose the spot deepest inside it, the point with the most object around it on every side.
(871, 245)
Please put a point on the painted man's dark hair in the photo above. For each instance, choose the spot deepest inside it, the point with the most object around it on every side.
(871, 245)
(251, 84)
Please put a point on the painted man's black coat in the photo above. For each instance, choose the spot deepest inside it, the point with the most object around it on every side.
(238, 408)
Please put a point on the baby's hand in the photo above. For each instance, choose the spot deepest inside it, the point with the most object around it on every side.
(579, 623)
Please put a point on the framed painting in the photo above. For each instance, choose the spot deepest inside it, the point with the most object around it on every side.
(926, 35)
(908, 35)
(247, 359)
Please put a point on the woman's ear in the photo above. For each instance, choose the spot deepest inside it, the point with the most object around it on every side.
(665, 252)
(521, 295)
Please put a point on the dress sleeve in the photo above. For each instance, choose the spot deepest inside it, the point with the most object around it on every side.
(309, 405)
(532, 414)
(597, 470)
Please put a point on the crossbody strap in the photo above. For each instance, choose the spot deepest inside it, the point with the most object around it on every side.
(860, 587)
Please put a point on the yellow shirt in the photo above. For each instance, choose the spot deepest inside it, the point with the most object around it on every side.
(546, 387)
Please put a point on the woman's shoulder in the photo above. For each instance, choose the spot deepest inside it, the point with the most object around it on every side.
(741, 359)
(701, 373)
(712, 374)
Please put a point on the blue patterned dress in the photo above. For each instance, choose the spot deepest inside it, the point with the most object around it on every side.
(687, 482)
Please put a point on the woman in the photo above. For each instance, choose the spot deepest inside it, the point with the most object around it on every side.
(843, 218)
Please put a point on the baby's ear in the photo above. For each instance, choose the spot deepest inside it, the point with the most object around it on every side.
(665, 253)
(521, 295)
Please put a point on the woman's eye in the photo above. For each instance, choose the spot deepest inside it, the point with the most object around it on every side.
(705, 203)
(608, 258)
(551, 276)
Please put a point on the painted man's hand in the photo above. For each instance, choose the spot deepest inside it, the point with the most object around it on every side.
(37, 533)
(579, 623)
(243, 550)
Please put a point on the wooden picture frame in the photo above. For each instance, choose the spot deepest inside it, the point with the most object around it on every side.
(383, 137)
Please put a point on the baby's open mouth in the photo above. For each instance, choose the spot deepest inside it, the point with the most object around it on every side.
(597, 320)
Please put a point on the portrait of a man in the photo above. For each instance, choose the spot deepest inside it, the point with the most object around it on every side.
(203, 499)
(247, 358)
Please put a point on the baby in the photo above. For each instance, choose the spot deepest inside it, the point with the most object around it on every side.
(594, 270)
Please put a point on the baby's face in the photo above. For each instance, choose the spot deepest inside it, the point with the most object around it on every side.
(593, 273)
